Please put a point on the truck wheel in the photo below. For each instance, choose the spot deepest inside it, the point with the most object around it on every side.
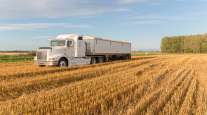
(63, 63)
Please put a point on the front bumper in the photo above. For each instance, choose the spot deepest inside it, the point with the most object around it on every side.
(47, 63)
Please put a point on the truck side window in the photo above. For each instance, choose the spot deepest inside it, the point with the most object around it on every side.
(80, 38)
(70, 43)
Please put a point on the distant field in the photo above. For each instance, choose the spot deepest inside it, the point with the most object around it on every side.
(15, 56)
(145, 53)
(14, 53)
(159, 85)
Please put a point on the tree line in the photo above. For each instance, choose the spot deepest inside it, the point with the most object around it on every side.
(185, 44)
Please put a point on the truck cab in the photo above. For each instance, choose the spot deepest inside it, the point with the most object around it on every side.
(64, 51)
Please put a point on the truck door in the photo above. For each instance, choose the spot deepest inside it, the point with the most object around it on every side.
(70, 52)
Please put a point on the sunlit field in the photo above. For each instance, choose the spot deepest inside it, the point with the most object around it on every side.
(157, 84)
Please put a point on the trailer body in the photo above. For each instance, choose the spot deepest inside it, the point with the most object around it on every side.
(100, 46)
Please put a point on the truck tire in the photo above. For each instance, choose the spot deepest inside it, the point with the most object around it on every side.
(63, 62)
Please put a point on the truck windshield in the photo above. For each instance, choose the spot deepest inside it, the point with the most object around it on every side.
(57, 43)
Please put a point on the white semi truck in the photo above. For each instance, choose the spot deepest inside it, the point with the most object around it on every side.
(70, 49)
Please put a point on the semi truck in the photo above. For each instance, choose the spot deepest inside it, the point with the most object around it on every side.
(71, 49)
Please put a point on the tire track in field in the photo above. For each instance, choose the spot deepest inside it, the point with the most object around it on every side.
(173, 105)
(149, 99)
(189, 101)
(142, 106)
(199, 105)
(167, 95)
(201, 101)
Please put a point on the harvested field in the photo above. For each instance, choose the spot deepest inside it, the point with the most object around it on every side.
(160, 85)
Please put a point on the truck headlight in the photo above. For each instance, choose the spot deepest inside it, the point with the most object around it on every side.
(35, 58)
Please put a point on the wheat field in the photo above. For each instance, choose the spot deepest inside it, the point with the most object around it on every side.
(157, 85)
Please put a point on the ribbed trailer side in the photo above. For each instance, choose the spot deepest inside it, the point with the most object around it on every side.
(99, 46)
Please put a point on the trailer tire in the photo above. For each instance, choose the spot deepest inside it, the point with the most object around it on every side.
(63, 62)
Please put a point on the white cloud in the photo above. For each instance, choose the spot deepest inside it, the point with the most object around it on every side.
(147, 22)
(24, 9)
(132, 1)
(10, 9)
(121, 10)
(158, 19)
(33, 26)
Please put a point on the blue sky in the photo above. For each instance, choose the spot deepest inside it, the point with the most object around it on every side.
(28, 24)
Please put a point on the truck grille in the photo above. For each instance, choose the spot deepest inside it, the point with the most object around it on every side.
(42, 55)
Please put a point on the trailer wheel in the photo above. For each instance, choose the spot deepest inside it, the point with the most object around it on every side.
(63, 62)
